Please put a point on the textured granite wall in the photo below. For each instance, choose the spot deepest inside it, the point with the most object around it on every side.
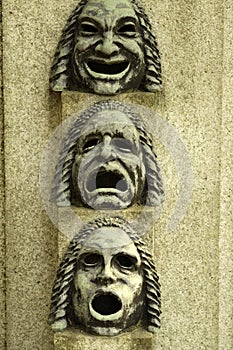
(195, 40)
(226, 208)
(30, 114)
(2, 219)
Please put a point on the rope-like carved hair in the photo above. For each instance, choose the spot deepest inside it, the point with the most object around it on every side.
(61, 72)
(153, 193)
(61, 301)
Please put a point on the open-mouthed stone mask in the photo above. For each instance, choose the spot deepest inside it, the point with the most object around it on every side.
(108, 284)
(108, 54)
(106, 281)
(108, 171)
(107, 47)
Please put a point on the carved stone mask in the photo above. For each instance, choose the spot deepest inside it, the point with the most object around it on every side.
(107, 47)
(108, 171)
(107, 160)
(106, 281)
(108, 294)
(108, 54)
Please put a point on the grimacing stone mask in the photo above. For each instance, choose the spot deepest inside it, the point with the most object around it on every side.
(107, 161)
(107, 47)
(106, 282)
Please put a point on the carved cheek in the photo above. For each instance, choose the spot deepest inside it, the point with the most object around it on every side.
(83, 44)
(134, 46)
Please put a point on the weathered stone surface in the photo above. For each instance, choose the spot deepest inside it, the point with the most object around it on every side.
(76, 340)
(30, 114)
(226, 199)
(2, 209)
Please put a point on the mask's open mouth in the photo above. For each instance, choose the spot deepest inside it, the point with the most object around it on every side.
(104, 70)
(107, 181)
(106, 306)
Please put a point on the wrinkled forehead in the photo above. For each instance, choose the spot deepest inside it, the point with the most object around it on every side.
(111, 239)
(111, 122)
(105, 8)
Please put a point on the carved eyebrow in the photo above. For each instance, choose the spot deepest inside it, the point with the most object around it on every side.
(127, 19)
(89, 20)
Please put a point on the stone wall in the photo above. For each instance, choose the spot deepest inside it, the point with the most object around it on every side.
(2, 219)
(194, 261)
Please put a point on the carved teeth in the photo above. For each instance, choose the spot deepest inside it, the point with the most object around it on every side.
(107, 70)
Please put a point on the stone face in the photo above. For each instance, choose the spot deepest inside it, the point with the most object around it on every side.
(107, 161)
(106, 281)
(76, 340)
(107, 47)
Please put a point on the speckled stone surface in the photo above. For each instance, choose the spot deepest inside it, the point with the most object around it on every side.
(226, 208)
(76, 340)
(30, 115)
(2, 219)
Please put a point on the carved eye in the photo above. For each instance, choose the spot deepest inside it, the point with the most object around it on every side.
(90, 144)
(125, 262)
(88, 29)
(91, 260)
(123, 145)
(128, 30)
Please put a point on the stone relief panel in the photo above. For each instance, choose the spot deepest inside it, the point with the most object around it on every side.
(107, 161)
(106, 282)
(107, 47)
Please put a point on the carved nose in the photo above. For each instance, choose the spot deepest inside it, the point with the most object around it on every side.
(107, 47)
(106, 276)
(106, 148)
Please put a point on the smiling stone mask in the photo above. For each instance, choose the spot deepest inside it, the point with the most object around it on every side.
(107, 47)
(107, 161)
(107, 281)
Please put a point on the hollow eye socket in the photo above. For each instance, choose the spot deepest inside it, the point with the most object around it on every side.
(91, 260)
(125, 262)
(87, 29)
(128, 30)
(123, 145)
(90, 144)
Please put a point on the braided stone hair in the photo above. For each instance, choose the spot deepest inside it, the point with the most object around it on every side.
(60, 78)
(153, 193)
(61, 315)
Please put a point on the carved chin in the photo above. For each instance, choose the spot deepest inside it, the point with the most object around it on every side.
(108, 189)
(107, 310)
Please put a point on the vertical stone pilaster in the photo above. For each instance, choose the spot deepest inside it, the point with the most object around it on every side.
(30, 114)
(226, 207)
(2, 207)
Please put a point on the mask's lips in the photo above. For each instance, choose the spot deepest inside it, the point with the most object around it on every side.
(106, 306)
(107, 69)
(107, 182)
